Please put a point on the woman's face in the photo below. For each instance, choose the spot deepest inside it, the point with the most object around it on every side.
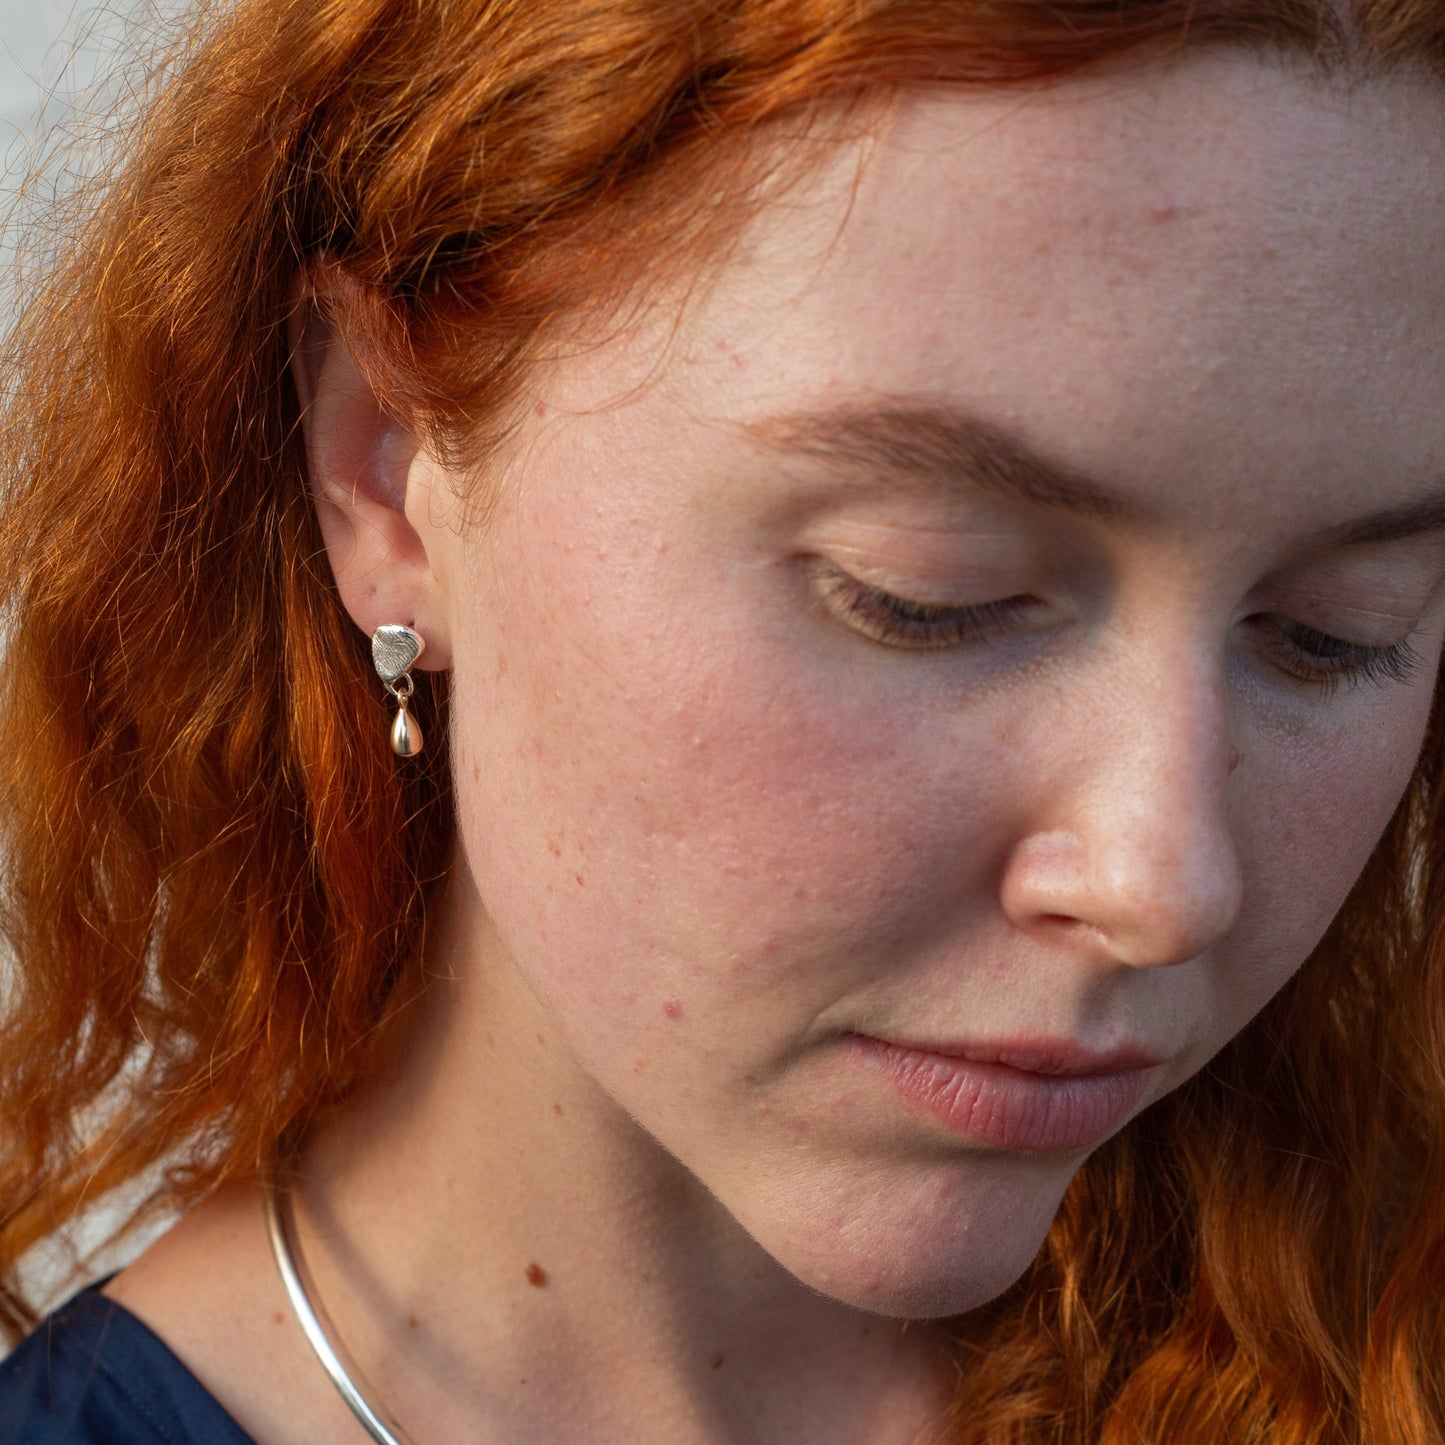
(914, 704)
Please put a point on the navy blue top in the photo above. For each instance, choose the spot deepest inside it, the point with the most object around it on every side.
(93, 1374)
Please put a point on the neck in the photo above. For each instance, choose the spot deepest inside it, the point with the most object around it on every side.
(510, 1256)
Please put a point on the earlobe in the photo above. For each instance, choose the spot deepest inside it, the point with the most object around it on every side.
(363, 468)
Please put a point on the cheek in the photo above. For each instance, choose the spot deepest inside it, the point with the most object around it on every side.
(701, 812)
(1314, 817)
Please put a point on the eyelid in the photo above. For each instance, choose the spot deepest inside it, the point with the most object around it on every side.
(826, 572)
(900, 621)
(1332, 618)
(1374, 588)
(943, 579)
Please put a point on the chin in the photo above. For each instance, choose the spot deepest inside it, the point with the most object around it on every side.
(925, 1259)
(939, 1289)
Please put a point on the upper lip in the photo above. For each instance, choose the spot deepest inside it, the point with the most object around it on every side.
(1038, 1055)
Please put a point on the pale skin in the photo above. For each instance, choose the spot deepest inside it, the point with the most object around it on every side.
(717, 818)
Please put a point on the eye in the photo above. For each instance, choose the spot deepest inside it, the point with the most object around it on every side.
(901, 622)
(1318, 657)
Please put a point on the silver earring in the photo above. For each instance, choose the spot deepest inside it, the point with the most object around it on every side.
(393, 650)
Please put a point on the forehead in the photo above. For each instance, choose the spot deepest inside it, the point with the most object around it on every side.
(1224, 269)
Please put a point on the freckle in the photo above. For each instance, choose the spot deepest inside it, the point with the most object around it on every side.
(412, 1322)
(541, 1041)
(476, 772)
(639, 1065)
(717, 1362)
(867, 1330)
(672, 1008)
(580, 883)
(553, 849)
(540, 408)
(557, 1110)
(277, 1318)
(536, 1275)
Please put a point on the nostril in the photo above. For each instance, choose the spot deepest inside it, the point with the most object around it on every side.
(1073, 930)
(1063, 921)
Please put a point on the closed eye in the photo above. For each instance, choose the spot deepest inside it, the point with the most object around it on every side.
(1315, 656)
(902, 622)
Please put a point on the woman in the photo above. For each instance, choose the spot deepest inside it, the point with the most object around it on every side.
(915, 531)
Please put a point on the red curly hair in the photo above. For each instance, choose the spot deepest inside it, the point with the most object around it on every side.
(213, 873)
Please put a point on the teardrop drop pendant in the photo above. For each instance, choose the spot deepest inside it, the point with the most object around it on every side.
(406, 735)
(393, 650)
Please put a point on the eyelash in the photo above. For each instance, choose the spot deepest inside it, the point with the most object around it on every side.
(1317, 657)
(1304, 652)
(923, 626)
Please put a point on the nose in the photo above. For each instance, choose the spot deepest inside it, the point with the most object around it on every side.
(1132, 854)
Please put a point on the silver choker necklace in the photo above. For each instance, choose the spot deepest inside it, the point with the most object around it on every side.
(276, 1200)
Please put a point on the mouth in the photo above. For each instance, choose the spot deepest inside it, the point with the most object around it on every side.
(1026, 1096)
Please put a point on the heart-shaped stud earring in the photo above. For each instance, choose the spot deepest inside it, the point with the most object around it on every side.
(394, 649)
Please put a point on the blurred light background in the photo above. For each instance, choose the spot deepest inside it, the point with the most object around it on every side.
(67, 69)
(32, 39)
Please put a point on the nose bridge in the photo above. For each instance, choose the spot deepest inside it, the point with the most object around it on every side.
(1138, 845)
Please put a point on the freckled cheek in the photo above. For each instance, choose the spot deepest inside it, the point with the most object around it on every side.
(1314, 829)
(708, 813)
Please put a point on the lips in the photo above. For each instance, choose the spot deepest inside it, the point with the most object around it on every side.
(1033, 1096)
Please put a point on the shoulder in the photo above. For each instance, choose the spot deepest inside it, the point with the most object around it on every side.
(94, 1374)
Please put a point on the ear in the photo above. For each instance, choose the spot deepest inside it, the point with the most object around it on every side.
(373, 485)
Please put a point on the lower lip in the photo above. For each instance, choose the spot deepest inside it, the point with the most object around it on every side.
(1007, 1108)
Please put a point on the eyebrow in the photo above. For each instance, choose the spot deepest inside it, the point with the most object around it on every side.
(934, 443)
(1395, 524)
(938, 443)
